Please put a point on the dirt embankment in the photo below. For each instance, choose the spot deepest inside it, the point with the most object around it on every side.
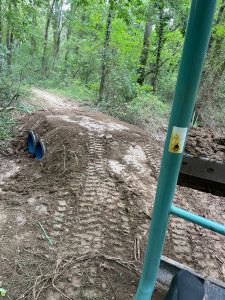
(93, 193)
(203, 142)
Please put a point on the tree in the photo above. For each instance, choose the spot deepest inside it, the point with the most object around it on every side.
(160, 32)
(105, 53)
(49, 17)
(144, 53)
(9, 38)
(1, 52)
(57, 26)
(214, 67)
(164, 21)
(113, 50)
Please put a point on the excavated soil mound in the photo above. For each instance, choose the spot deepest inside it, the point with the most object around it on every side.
(93, 194)
(203, 142)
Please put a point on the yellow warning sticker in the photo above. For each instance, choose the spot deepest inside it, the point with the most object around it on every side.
(177, 139)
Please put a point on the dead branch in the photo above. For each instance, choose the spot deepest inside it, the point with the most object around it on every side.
(15, 97)
(162, 63)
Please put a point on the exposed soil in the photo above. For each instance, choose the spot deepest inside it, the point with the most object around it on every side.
(203, 142)
(93, 194)
(49, 100)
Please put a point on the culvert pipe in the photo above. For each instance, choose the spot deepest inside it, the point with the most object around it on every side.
(31, 142)
(40, 149)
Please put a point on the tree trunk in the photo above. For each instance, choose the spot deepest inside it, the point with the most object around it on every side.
(33, 39)
(67, 39)
(10, 48)
(144, 53)
(0, 21)
(213, 70)
(105, 55)
(1, 62)
(9, 42)
(43, 67)
(159, 49)
(69, 30)
(218, 20)
(57, 27)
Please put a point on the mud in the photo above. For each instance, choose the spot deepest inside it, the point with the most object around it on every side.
(93, 193)
(203, 142)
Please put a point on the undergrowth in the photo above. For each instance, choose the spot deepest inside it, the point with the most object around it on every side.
(11, 93)
(214, 117)
(8, 120)
(145, 111)
(7, 124)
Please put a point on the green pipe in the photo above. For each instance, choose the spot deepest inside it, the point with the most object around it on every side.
(181, 213)
(195, 46)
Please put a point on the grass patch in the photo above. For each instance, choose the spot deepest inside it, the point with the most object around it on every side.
(77, 93)
(75, 90)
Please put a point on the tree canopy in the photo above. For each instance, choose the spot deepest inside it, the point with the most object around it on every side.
(118, 53)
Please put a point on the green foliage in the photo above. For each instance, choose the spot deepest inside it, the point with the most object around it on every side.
(6, 122)
(145, 111)
(213, 114)
(166, 87)
(149, 110)
(74, 91)
(7, 89)
(2, 292)
(76, 71)
(10, 90)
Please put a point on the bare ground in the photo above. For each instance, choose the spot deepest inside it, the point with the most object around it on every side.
(93, 194)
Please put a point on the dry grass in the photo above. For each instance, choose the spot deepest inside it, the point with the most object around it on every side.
(31, 274)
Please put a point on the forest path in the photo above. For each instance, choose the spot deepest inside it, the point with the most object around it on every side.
(51, 100)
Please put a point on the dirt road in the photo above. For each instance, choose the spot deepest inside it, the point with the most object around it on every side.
(49, 100)
(92, 194)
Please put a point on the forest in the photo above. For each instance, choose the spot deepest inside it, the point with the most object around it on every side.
(121, 56)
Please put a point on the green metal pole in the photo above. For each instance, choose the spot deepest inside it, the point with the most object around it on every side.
(195, 46)
(204, 222)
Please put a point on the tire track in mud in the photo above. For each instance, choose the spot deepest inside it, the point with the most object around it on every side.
(101, 222)
(196, 246)
(182, 247)
(64, 215)
(98, 201)
(87, 236)
(196, 251)
(154, 159)
(96, 207)
(199, 248)
(93, 224)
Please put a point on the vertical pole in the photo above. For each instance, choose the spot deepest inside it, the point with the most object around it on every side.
(195, 46)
